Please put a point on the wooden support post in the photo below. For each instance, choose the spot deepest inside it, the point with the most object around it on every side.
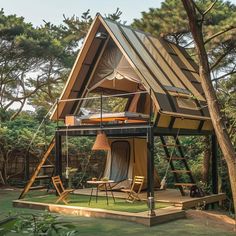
(214, 167)
(57, 109)
(150, 163)
(58, 160)
(150, 171)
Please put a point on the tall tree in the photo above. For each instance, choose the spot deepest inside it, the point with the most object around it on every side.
(30, 59)
(196, 17)
(35, 60)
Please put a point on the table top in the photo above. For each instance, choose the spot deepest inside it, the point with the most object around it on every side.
(100, 181)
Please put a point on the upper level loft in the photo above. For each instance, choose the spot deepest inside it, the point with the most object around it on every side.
(122, 75)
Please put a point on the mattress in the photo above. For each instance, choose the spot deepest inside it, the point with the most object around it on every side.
(127, 117)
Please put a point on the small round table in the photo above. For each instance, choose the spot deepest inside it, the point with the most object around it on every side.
(100, 183)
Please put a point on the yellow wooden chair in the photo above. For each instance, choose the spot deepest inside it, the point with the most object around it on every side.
(62, 192)
(136, 187)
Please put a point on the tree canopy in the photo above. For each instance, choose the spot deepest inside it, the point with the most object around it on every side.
(35, 60)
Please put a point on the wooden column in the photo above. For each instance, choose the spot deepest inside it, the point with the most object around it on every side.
(214, 167)
(150, 162)
(58, 161)
(150, 172)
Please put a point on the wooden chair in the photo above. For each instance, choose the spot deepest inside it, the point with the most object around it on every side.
(62, 192)
(136, 187)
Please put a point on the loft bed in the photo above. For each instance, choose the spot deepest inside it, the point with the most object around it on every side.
(114, 117)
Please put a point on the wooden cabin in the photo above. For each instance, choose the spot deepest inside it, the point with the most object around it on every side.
(160, 89)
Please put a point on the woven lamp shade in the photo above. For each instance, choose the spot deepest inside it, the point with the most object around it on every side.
(101, 142)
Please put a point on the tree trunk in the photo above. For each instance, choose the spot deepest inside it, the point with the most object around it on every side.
(204, 71)
(206, 160)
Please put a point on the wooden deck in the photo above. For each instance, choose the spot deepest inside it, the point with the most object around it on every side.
(170, 196)
(162, 215)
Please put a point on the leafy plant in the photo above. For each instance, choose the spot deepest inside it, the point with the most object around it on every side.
(40, 224)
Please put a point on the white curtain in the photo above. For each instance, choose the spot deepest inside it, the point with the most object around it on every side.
(113, 66)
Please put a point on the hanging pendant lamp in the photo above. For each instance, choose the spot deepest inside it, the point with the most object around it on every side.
(101, 142)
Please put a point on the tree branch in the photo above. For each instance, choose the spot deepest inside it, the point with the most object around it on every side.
(19, 110)
(219, 33)
(186, 45)
(222, 76)
(196, 7)
(220, 58)
(209, 8)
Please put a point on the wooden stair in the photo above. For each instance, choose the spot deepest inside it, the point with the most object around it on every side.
(43, 177)
(36, 188)
(29, 186)
(181, 160)
(47, 166)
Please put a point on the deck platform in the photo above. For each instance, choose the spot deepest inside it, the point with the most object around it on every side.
(162, 215)
(169, 196)
(176, 206)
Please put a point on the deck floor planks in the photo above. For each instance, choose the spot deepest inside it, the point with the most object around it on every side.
(171, 196)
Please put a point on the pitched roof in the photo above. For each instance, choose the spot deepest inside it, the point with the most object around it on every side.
(164, 68)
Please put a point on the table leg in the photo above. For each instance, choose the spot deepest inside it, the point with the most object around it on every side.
(97, 193)
(90, 196)
(106, 193)
(111, 192)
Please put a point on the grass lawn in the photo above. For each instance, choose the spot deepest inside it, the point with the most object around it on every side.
(6, 197)
(106, 227)
(83, 201)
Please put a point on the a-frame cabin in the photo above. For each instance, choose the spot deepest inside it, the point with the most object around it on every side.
(163, 91)
(137, 61)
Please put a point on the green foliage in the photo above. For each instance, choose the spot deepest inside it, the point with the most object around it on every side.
(17, 135)
(115, 16)
(39, 224)
(226, 92)
(75, 28)
(169, 20)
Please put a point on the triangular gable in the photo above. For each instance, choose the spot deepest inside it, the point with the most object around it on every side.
(164, 68)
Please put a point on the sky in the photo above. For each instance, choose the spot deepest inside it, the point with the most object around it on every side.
(36, 11)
